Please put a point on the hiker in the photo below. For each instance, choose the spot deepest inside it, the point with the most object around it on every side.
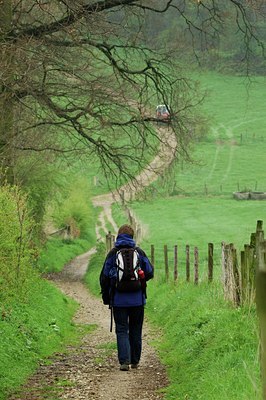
(123, 286)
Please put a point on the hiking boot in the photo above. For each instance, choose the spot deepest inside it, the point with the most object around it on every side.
(134, 366)
(124, 367)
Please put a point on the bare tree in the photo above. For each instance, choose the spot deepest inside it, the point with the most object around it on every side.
(76, 80)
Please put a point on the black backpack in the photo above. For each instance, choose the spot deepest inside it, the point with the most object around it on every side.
(127, 264)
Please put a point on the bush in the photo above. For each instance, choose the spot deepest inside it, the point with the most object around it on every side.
(16, 247)
(74, 209)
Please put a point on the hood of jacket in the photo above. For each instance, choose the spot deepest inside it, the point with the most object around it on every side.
(124, 240)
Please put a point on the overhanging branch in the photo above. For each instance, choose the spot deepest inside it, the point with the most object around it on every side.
(71, 18)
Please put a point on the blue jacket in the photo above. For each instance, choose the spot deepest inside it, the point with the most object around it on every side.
(109, 274)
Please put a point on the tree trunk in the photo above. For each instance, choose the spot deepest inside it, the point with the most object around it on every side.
(6, 98)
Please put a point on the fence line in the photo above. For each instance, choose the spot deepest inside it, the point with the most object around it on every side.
(238, 272)
(67, 232)
(164, 260)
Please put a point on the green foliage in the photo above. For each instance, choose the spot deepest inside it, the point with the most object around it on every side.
(31, 331)
(16, 252)
(209, 349)
(39, 175)
(35, 317)
(74, 208)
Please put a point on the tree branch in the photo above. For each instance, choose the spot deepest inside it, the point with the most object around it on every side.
(71, 18)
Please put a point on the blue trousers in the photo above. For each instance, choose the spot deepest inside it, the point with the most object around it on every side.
(128, 328)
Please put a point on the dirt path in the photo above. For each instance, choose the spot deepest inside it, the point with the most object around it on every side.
(89, 370)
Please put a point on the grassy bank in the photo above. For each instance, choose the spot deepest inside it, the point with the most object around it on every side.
(35, 317)
(210, 350)
(58, 252)
(31, 331)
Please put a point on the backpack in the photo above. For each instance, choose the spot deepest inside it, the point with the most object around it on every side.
(127, 266)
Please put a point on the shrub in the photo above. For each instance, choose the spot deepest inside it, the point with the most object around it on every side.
(16, 249)
(74, 208)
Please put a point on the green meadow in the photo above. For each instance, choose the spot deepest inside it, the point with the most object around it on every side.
(231, 157)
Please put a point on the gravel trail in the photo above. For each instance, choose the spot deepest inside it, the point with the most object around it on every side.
(90, 370)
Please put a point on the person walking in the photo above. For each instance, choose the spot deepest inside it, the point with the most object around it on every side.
(123, 286)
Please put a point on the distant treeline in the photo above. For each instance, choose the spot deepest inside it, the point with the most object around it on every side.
(213, 35)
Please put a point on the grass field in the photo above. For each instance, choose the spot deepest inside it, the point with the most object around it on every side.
(232, 155)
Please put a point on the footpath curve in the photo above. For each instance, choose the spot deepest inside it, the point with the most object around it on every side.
(129, 191)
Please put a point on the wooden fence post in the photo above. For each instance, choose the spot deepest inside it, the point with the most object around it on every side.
(138, 232)
(175, 263)
(166, 262)
(259, 225)
(231, 274)
(261, 299)
(223, 262)
(196, 266)
(247, 275)
(231, 282)
(210, 262)
(187, 264)
(243, 269)
(152, 254)
(108, 241)
(236, 277)
(226, 272)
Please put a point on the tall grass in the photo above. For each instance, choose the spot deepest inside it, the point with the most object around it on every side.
(210, 350)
